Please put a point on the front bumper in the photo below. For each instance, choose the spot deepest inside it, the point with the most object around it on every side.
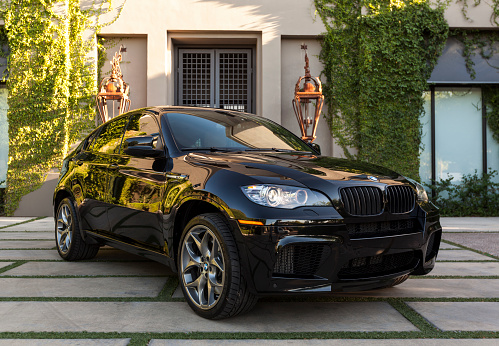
(315, 257)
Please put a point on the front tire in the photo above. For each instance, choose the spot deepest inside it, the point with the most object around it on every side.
(209, 269)
(69, 242)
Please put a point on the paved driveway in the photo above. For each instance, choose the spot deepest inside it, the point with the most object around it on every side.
(121, 299)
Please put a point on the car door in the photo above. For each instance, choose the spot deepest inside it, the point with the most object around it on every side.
(93, 174)
(136, 186)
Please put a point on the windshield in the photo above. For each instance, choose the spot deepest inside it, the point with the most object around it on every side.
(220, 130)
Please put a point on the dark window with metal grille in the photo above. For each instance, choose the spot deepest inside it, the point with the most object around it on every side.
(220, 78)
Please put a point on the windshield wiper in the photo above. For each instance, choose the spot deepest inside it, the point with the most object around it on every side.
(212, 149)
(278, 150)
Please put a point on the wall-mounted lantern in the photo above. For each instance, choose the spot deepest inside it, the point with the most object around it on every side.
(112, 99)
(308, 102)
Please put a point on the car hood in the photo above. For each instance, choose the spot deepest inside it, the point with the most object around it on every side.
(309, 170)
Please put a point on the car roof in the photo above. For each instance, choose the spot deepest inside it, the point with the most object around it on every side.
(191, 109)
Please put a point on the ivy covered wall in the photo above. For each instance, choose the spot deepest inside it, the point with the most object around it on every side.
(52, 85)
(377, 57)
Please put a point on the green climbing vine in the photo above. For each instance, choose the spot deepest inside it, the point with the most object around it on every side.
(51, 84)
(377, 57)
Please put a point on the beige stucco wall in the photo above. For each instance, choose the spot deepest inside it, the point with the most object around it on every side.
(480, 16)
(274, 28)
(133, 66)
(263, 20)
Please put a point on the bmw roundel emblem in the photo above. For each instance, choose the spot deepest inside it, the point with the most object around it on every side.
(371, 178)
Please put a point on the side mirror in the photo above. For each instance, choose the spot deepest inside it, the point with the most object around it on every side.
(316, 147)
(141, 146)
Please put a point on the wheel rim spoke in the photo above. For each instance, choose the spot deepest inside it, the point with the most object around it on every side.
(210, 292)
(195, 237)
(217, 263)
(205, 251)
(192, 260)
(214, 284)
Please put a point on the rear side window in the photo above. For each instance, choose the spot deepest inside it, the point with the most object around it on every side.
(109, 139)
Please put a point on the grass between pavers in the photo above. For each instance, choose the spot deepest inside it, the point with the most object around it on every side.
(22, 222)
(463, 261)
(461, 232)
(110, 260)
(428, 277)
(165, 295)
(30, 248)
(12, 266)
(143, 339)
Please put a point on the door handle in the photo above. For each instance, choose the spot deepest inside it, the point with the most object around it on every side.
(113, 166)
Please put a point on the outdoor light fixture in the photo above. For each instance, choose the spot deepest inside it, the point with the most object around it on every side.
(113, 91)
(308, 102)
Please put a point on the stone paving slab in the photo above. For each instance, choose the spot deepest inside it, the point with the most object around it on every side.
(445, 246)
(485, 242)
(64, 342)
(465, 269)
(178, 317)
(338, 342)
(42, 225)
(25, 235)
(82, 287)
(462, 255)
(178, 293)
(89, 269)
(435, 288)
(27, 244)
(6, 221)
(5, 264)
(470, 224)
(465, 316)
(53, 255)
(30, 255)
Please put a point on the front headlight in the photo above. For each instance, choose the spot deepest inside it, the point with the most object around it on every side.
(422, 196)
(420, 191)
(282, 196)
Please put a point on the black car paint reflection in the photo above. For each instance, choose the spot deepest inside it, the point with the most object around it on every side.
(142, 203)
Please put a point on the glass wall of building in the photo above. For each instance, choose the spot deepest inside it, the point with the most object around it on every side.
(460, 140)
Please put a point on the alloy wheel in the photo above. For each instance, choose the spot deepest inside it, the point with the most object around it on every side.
(64, 228)
(202, 267)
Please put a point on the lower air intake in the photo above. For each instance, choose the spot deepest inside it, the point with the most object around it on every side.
(376, 265)
(300, 259)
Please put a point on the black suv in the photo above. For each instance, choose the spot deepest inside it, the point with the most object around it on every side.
(240, 207)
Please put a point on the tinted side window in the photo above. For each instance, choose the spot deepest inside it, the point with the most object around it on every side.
(110, 136)
(143, 125)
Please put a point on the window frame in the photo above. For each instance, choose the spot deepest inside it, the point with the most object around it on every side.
(215, 73)
(433, 154)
